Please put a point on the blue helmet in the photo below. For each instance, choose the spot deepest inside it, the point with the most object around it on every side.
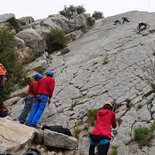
(38, 76)
(50, 73)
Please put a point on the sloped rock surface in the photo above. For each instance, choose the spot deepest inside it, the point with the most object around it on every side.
(103, 65)
(10, 139)
(106, 64)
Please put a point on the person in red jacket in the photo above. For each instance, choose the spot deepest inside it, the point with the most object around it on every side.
(44, 93)
(29, 99)
(101, 134)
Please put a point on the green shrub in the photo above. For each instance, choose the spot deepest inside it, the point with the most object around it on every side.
(97, 15)
(69, 12)
(56, 40)
(90, 21)
(91, 114)
(40, 69)
(25, 81)
(143, 135)
(15, 24)
(9, 58)
(77, 132)
(105, 59)
(80, 9)
(113, 151)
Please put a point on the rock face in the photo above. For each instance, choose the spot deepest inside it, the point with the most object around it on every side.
(106, 63)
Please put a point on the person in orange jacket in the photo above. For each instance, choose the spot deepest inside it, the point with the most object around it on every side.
(29, 99)
(101, 135)
(2, 76)
(44, 93)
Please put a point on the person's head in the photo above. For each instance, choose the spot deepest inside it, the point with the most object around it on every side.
(108, 106)
(50, 74)
(38, 76)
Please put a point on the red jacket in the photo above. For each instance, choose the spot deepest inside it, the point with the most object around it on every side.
(33, 86)
(46, 86)
(104, 121)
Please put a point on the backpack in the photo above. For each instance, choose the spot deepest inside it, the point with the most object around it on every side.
(58, 128)
(31, 151)
(3, 110)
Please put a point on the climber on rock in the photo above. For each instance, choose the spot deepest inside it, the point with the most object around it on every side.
(29, 99)
(117, 22)
(125, 19)
(101, 134)
(142, 26)
(44, 93)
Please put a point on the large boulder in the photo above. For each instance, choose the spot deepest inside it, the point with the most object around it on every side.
(26, 20)
(59, 140)
(66, 24)
(80, 21)
(33, 40)
(6, 17)
(43, 27)
(14, 136)
(57, 21)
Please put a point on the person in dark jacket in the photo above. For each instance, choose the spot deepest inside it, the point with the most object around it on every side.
(44, 93)
(142, 26)
(117, 22)
(29, 99)
(125, 19)
(101, 134)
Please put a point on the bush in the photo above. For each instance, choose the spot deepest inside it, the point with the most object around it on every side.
(9, 58)
(90, 21)
(56, 40)
(69, 12)
(25, 81)
(80, 9)
(77, 132)
(91, 114)
(97, 15)
(113, 151)
(143, 135)
(15, 24)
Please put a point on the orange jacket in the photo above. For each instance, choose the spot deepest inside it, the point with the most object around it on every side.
(2, 70)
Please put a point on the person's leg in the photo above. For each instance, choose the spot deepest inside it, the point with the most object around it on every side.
(40, 110)
(92, 149)
(33, 112)
(103, 149)
(26, 110)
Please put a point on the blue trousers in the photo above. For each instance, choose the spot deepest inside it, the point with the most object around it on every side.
(27, 108)
(37, 110)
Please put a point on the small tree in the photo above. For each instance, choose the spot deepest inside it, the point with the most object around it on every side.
(14, 23)
(97, 15)
(56, 40)
(90, 21)
(80, 9)
(9, 58)
(69, 12)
